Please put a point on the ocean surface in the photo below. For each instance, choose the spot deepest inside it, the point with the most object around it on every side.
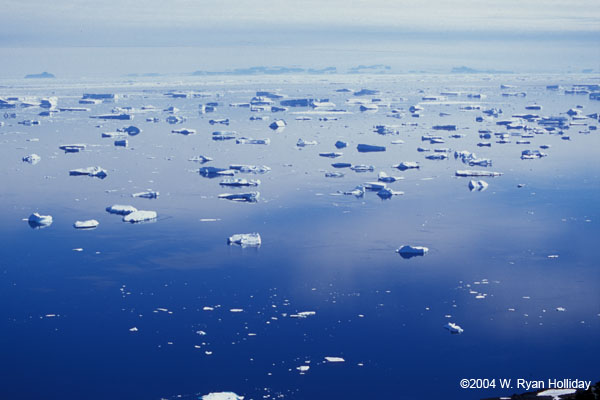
(500, 261)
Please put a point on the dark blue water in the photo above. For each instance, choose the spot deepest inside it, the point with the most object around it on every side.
(331, 254)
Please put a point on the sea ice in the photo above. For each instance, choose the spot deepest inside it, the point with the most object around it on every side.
(245, 239)
(140, 216)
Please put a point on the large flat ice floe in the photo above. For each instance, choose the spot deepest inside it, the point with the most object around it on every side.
(222, 396)
(96, 172)
(469, 172)
(140, 216)
(245, 239)
(88, 224)
(121, 209)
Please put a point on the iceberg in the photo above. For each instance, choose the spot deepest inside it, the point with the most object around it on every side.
(303, 143)
(250, 197)
(362, 168)
(147, 195)
(453, 328)
(184, 131)
(89, 224)
(532, 154)
(383, 177)
(386, 193)
(477, 185)
(278, 124)
(121, 209)
(121, 116)
(250, 169)
(89, 171)
(212, 172)
(222, 121)
(140, 216)
(469, 172)
(72, 148)
(331, 155)
(334, 359)
(245, 239)
(38, 220)
(340, 144)
(201, 159)
(341, 165)
(407, 165)
(334, 174)
(408, 251)
(222, 396)
(239, 182)
(244, 140)
(366, 148)
(32, 159)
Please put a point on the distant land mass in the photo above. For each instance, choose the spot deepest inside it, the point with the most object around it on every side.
(279, 70)
(43, 75)
(468, 70)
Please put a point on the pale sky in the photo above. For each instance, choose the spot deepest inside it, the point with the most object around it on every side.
(77, 21)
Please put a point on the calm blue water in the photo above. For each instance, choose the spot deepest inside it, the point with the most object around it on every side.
(321, 252)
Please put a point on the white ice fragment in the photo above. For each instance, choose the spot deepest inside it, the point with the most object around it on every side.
(302, 143)
(477, 185)
(556, 393)
(89, 224)
(146, 195)
(412, 250)
(121, 209)
(469, 172)
(184, 131)
(250, 197)
(140, 216)
(221, 395)
(245, 239)
(303, 314)
(238, 182)
(454, 328)
(303, 368)
(89, 171)
(40, 220)
(134, 329)
(236, 310)
(406, 165)
(561, 309)
(32, 159)
(334, 359)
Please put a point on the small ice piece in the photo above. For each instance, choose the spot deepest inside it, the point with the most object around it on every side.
(140, 216)
(556, 393)
(334, 174)
(97, 172)
(561, 309)
(201, 159)
(362, 168)
(477, 185)
(173, 119)
(368, 107)
(245, 239)
(147, 195)
(383, 177)
(366, 148)
(331, 155)
(134, 329)
(340, 144)
(454, 328)
(303, 314)
(437, 156)
(72, 148)
(250, 197)
(374, 186)
(386, 193)
(121, 209)
(358, 191)
(221, 395)
(236, 310)
(302, 143)
(469, 172)
(222, 121)
(303, 368)
(482, 162)
(89, 224)
(532, 154)
(112, 134)
(244, 140)
(38, 220)
(409, 251)
(121, 143)
(250, 169)
(211, 172)
(407, 165)
(444, 127)
(184, 131)
(32, 159)
(341, 165)
(277, 124)
(334, 359)
(238, 182)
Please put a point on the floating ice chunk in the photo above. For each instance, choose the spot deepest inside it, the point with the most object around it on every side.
(121, 209)
(386, 193)
(236, 310)
(444, 127)
(407, 165)
(358, 191)
(97, 172)
(334, 359)
(383, 177)
(238, 182)
(469, 172)
(334, 174)
(482, 162)
(173, 119)
(331, 155)
(437, 156)
(245, 239)
(362, 168)
(250, 169)
(89, 224)
(302, 143)
(131, 130)
(140, 216)
(556, 393)
(211, 172)
(72, 148)
(366, 148)
(244, 140)
(278, 124)
(453, 328)
(409, 251)
(368, 107)
(374, 186)
(113, 134)
(250, 197)
(121, 116)
(121, 143)
(303, 368)
(303, 314)
(38, 220)
(532, 154)
(134, 329)
(32, 159)
(341, 165)
(222, 121)
(561, 309)
(340, 144)
(221, 395)
(147, 195)
(478, 185)
(398, 141)
(201, 159)
(184, 131)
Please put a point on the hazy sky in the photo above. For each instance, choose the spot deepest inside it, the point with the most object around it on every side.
(33, 22)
